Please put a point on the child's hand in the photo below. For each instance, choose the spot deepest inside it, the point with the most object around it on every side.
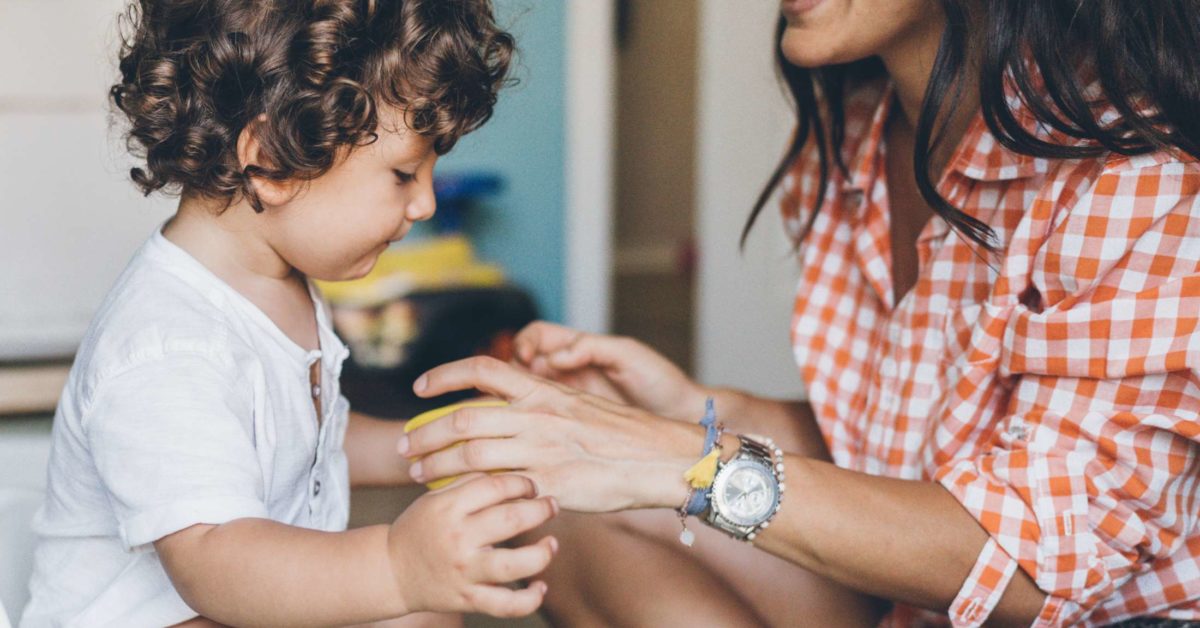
(442, 548)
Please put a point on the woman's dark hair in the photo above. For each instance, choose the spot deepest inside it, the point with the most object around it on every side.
(310, 76)
(1141, 55)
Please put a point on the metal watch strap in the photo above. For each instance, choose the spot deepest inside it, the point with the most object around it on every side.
(752, 449)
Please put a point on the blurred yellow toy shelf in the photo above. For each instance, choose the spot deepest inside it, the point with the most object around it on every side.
(425, 303)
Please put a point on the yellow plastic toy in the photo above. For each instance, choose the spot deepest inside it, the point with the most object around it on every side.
(437, 413)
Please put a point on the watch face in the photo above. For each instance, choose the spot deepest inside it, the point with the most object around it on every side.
(746, 494)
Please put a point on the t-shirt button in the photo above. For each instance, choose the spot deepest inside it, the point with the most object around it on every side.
(316, 488)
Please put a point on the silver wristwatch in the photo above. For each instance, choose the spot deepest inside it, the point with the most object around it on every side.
(747, 490)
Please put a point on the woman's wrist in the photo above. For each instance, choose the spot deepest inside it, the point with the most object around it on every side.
(661, 481)
(730, 402)
(682, 446)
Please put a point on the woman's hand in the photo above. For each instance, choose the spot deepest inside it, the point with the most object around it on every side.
(589, 453)
(616, 368)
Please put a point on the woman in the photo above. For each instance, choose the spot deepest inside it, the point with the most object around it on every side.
(996, 206)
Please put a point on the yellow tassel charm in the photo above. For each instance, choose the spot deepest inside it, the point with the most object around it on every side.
(702, 474)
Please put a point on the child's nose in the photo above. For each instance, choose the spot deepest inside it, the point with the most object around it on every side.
(421, 207)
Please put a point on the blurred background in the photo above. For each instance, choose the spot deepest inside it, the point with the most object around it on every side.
(608, 193)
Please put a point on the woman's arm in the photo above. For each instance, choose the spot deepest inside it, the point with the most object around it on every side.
(371, 452)
(904, 540)
(791, 423)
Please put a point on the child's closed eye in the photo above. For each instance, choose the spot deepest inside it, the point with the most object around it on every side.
(405, 177)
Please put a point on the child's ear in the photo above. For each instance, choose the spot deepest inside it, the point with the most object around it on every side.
(270, 192)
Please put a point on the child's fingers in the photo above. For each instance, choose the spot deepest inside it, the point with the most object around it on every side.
(502, 602)
(489, 490)
(500, 523)
(462, 424)
(498, 566)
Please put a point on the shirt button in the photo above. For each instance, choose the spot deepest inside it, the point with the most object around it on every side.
(316, 391)
(316, 488)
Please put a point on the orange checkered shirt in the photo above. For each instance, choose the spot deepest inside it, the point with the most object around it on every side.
(1053, 389)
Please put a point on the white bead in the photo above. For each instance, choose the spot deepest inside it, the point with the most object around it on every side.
(765, 525)
(687, 537)
(782, 487)
(750, 537)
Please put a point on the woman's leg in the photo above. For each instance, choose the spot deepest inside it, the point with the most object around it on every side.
(629, 569)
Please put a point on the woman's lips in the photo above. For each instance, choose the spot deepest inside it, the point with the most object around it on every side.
(794, 8)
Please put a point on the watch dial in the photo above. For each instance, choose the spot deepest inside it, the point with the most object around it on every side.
(748, 495)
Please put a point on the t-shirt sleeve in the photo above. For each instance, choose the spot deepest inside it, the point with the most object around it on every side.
(172, 441)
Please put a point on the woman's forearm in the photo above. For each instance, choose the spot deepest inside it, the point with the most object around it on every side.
(902, 540)
(371, 452)
(791, 423)
(257, 571)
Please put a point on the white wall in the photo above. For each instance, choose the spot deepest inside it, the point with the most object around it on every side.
(590, 81)
(744, 300)
(69, 217)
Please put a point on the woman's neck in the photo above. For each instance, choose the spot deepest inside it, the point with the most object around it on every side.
(909, 64)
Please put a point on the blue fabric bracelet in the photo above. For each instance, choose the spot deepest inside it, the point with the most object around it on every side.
(699, 500)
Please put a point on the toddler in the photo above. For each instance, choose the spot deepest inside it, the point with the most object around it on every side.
(202, 455)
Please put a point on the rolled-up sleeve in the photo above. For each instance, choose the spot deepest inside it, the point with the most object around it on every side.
(1092, 476)
(172, 441)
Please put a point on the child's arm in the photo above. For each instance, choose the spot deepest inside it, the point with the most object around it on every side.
(437, 556)
(371, 452)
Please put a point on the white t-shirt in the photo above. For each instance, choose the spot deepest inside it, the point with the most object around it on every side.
(186, 405)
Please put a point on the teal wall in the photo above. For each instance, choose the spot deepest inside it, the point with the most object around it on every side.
(522, 227)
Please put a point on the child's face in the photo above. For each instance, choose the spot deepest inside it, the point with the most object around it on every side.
(336, 226)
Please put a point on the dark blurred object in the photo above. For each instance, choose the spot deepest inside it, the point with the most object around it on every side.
(458, 193)
(449, 325)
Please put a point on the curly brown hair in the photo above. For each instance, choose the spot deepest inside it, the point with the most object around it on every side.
(310, 75)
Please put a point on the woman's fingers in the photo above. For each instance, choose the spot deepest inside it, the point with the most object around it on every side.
(540, 338)
(485, 491)
(606, 352)
(485, 454)
(483, 373)
(462, 424)
(550, 347)
(503, 602)
(497, 565)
